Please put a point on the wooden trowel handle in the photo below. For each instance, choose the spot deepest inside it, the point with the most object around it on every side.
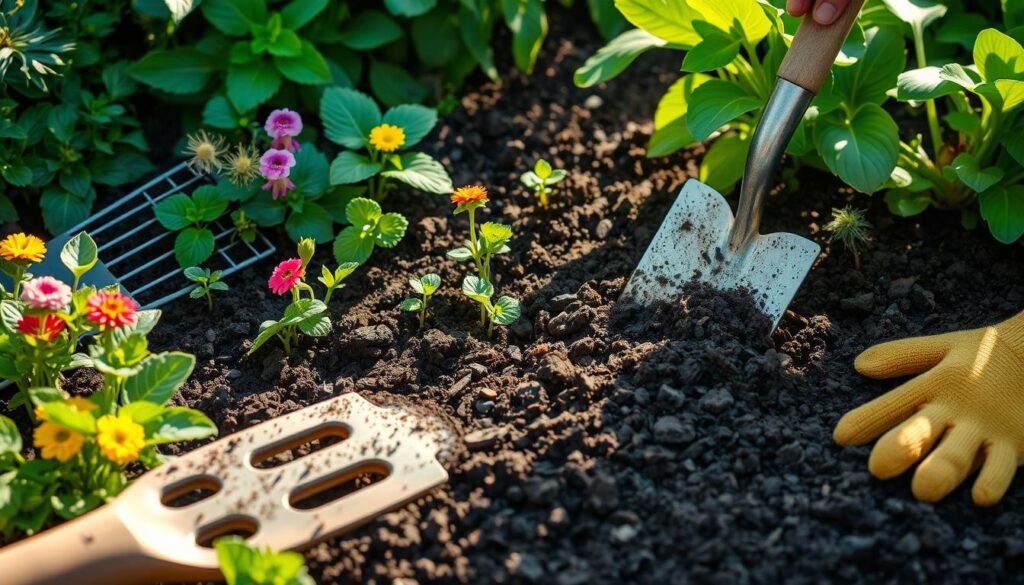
(94, 549)
(815, 47)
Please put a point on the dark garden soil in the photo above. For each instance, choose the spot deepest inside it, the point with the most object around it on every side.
(605, 444)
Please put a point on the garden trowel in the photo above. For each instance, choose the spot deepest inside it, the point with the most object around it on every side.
(255, 483)
(701, 241)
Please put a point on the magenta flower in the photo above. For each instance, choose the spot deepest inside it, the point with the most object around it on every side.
(279, 187)
(275, 166)
(46, 294)
(286, 275)
(282, 125)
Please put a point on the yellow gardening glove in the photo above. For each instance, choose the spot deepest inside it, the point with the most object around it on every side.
(969, 394)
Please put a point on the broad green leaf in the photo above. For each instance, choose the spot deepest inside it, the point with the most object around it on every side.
(429, 283)
(178, 424)
(613, 58)
(495, 232)
(182, 70)
(317, 326)
(506, 311)
(287, 44)
(219, 113)
(312, 222)
(670, 20)
(420, 171)
(10, 437)
(70, 417)
(416, 285)
(415, 120)
(264, 210)
(391, 229)
(299, 13)
(542, 168)
(353, 245)
(370, 29)
(998, 56)
(195, 273)
(961, 29)
(437, 39)
(393, 85)
(1003, 209)
(965, 77)
(1014, 143)
(362, 212)
(716, 103)
(608, 20)
(407, 305)
(923, 84)
(478, 289)
(670, 130)
(234, 17)
(861, 150)
(193, 246)
(905, 203)
(208, 203)
(670, 138)
(251, 84)
(174, 212)
(1012, 93)
(351, 167)
(307, 67)
(338, 198)
(978, 179)
(62, 210)
(748, 15)
(722, 166)
(348, 116)
(410, 8)
(875, 72)
(310, 173)
(716, 50)
(475, 31)
(460, 254)
(79, 254)
(965, 122)
(529, 25)
(917, 13)
(141, 412)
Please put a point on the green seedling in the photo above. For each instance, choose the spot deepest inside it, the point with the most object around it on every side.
(541, 178)
(206, 282)
(243, 564)
(850, 228)
(504, 311)
(425, 286)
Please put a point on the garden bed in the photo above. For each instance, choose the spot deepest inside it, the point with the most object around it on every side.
(607, 445)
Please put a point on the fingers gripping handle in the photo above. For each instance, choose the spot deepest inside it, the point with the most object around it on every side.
(815, 47)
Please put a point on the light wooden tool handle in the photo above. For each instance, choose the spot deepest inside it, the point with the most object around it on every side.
(815, 47)
(96, 549)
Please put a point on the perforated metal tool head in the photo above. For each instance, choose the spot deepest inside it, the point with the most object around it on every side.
(382, 457)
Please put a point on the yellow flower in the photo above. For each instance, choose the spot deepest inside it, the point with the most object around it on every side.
(120, 438)
(243, 165)
(22, 248)
(387, 138)
(205, 151)
(470, 194)
(57, 442)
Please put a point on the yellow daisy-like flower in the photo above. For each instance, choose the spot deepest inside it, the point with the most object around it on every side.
(22, 248)
(387, 138)
(243, 165)
(120, 438)
(57, 442)
(205, 151)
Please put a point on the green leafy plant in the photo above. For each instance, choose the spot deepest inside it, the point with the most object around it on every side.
(732, 51)
(541, 178)
(849, 227)
(206, 282)
(980, 166)
(425, 286)
(369, 227)
(353, 120)
(504, 311)
(190, 216)
(243, 564)
(305, 314)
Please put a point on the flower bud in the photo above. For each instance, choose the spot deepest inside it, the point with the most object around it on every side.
(307, 246)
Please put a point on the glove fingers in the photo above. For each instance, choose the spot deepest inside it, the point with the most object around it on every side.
(904, 357)
(996, 473)
(866, 422)
(948, 464)
(906, 444)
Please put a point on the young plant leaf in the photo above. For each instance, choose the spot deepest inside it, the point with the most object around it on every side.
(352, 167)
(429, 283)
(176, 424)
(529, 25)
(478, 289)
(716, 103)
(506, 311)
(670, 21)
(10, 437)
(415, 120)
(370, 29)
(251, 84)
(175, 212)
(159, 377)
(861, 150)
(348, 116)
(998, 56)
(193, 246)
(79, 254)
(460, 254)
(312, 222)
(420, 171)
(926, 83)
(978, 179)
(1003, 209)
(716, 50)
(614, 57)
(411, 305)
(391, 229)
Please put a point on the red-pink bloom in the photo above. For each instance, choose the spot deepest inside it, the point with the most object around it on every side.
(46, 294)
(282, 125)
(112, 310)
(279, 188)
(286, 275)
(276, 164)
(42, 327)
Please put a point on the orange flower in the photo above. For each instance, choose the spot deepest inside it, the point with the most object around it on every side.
(22, 248)
(469, 194)
(111, 310)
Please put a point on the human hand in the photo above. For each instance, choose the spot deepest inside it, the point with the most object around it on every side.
(969, 394)
(824, 12)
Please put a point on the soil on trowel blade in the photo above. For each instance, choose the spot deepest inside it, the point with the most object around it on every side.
(671, 445)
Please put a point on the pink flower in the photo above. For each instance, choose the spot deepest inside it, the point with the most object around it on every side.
(279, 188)
(276, 164)
(286, 275)
(111, 310)
(282, 125)
(46, 294)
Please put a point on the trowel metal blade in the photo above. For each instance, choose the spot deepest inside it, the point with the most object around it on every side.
(692, 245)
